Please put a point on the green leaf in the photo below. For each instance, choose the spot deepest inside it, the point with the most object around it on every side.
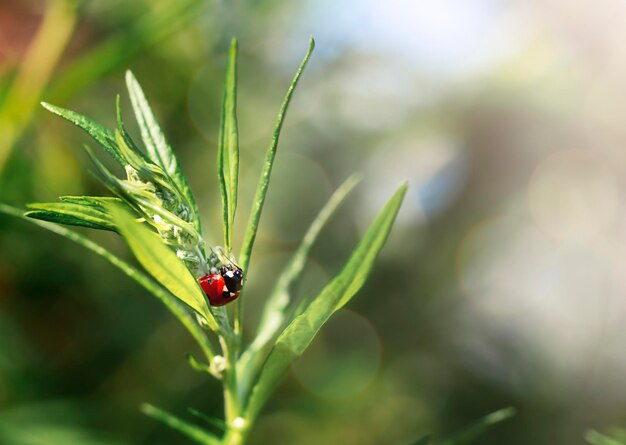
(214, 422)
(228, 149)
(424, 440)
(159, 151)
(278, 302)
(198, 366)
(278, 305)
(103, 136)
(94, 201)
(178, 309)
(138, 161)
(596, 438)
(293, 341)
(259, 197)
(157, 146)
(73, 213)
(481, 427)
(107, 178)
(162, 263)
(190, 430)
(264, 181)
(116, 185)
(121, 129)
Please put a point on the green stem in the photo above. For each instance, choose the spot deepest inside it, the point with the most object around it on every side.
(233, 405)
(234, 437)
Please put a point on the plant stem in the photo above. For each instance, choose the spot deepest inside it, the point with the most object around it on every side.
(234, 437)
(233, 406)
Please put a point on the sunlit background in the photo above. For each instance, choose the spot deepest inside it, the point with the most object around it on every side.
(503, 282)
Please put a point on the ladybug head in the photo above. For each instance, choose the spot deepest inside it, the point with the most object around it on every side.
(233, 277)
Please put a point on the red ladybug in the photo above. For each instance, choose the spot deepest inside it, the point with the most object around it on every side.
(215, 288)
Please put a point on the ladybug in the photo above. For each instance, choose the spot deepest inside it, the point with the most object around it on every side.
(222, 288)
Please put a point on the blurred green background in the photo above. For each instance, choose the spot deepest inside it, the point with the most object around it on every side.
(503, 282)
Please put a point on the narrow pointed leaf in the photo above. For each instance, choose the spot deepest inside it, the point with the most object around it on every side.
(259, 197)
(261, 192)
(481, 427)
(131, 156)
(162, 263)
(178, 309)
(107, 178)
(300, 332)
(72, 214)
(159, 150)
(214, 422)
(228, 148)
(596, 438)
(188, 429)
(279, 304)
(121, 128)
(103, 136)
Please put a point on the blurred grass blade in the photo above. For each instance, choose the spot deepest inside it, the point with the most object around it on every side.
(159, 151)
(162, 263)
(139, 33)
(190, 430)
(103, 136)
(277, 307)
(259, 197)
(179, 310)
(34, 73)
(73, 214)
(228, 149)
(424, 440)
(481, 427)
(595, 438)
(293, 341)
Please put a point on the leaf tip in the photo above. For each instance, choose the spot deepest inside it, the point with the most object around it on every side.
(354, 179)
(131, 80)
(311, 43)
(52, 108)
(148, 409)
(402, 190)
(501, 414)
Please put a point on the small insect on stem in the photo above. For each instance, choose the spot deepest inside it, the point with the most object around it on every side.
(223, 284)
